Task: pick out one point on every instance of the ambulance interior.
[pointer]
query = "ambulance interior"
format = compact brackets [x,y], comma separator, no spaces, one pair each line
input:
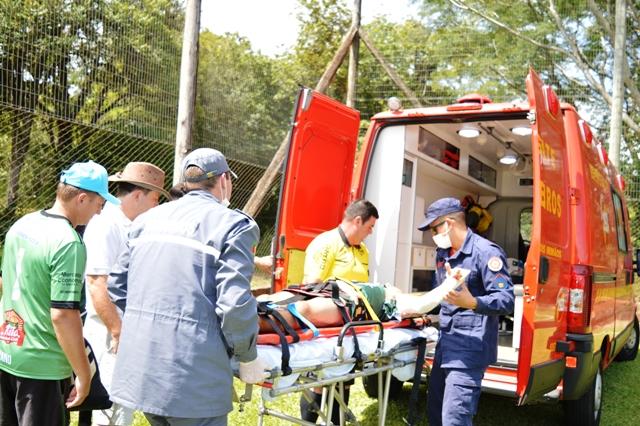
[451,159]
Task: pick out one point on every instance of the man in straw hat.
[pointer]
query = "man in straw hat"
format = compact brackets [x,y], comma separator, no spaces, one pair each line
[41,340]
[139,187]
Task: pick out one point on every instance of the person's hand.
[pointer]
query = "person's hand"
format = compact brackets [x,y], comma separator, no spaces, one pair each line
[253,372]
[79,391]
[263,263]
[113,344]
[461,297]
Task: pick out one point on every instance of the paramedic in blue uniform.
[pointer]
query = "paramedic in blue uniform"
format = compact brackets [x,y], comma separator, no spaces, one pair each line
[468,340]
[183,282]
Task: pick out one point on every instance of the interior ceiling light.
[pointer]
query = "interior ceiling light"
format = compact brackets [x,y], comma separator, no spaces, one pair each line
[521,130]
[469,132]
[510,157]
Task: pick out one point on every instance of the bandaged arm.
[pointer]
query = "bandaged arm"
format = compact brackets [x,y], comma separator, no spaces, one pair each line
[412,304]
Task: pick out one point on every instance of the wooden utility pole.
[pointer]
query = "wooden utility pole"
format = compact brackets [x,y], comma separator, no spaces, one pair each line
[188,78]
[355,33]
[619,59]
[259,193]
[354,52]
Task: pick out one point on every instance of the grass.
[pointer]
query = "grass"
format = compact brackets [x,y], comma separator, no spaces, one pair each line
[621,393]
[620,401]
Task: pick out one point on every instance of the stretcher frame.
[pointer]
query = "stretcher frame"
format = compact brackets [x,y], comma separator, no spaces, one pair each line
[379,362]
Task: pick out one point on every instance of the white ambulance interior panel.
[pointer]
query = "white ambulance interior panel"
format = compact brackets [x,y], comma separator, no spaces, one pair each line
[414,165]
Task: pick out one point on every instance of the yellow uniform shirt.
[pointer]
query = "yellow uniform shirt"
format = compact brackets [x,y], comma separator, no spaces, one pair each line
[330,255]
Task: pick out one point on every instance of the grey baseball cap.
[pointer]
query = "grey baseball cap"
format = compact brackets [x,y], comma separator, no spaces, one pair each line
[439,208]
[209,160]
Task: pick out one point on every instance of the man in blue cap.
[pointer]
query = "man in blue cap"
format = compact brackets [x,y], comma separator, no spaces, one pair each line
[41,340]
[468,340]
[183,282]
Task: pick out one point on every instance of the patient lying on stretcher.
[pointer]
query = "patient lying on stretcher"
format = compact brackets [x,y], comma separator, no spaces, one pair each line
[317,303]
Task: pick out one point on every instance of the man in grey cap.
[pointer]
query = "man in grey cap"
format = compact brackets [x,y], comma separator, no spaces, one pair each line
[468,340]
[184,284]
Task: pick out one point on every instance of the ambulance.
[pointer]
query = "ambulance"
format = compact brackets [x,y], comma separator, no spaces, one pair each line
[558,211]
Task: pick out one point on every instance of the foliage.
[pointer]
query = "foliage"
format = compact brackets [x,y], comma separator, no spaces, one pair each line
[620,395]
[77,82]
[240,102]
[323,24]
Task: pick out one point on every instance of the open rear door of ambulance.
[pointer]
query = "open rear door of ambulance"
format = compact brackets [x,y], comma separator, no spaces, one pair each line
[547,270]
[316,179]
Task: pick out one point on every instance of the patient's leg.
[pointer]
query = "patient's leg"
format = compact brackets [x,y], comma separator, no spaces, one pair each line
[321,312]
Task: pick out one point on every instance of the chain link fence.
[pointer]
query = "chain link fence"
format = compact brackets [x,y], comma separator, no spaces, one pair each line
[98,79]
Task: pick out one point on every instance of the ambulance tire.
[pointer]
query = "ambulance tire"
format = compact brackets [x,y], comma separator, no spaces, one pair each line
[587,410]
[630,349]
[370,384]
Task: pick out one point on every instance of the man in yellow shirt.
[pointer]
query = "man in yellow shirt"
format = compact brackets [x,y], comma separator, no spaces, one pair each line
[340,253]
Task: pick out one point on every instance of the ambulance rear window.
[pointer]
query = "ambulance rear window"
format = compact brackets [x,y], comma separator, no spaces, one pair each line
[620,224]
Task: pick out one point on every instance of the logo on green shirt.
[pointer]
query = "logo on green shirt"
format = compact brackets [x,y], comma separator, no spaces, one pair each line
[12,330]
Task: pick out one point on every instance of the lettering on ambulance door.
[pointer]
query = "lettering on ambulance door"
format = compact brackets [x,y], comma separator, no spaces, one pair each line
[540,368]
[316,178]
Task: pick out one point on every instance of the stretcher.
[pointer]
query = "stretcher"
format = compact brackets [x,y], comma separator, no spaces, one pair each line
[358,349]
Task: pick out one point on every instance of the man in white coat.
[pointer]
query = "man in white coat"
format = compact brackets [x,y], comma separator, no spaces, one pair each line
[139,188]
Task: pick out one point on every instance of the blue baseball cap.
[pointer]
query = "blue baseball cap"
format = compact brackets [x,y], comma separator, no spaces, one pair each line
[439,208]
[90,176]
[209,160]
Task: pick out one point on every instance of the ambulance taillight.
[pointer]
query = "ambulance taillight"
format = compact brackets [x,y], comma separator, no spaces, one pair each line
[578,318]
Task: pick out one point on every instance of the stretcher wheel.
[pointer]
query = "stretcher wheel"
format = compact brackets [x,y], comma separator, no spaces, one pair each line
[370,384]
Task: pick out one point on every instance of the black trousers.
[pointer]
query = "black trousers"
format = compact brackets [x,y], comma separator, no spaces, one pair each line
[33,402]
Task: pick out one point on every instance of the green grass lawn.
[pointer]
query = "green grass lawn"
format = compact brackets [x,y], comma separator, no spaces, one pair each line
[621,401]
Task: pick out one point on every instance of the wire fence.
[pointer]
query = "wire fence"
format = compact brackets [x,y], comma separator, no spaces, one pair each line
[98,79]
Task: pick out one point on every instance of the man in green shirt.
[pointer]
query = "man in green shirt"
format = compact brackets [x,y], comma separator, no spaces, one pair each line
[41,341]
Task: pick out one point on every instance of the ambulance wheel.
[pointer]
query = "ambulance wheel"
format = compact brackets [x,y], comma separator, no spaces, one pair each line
[587,410]
[370,384]
[630,348]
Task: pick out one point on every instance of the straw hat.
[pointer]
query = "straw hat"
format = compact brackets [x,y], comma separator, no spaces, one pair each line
[144,175]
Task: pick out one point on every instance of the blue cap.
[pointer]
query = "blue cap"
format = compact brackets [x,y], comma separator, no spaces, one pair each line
[209,160]
[90,176]
[442,207]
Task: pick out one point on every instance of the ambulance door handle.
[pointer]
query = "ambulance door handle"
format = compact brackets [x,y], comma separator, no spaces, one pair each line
[280,254]
[543,274]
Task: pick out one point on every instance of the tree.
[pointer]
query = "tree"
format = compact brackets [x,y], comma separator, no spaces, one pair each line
[71,69]
[240,106]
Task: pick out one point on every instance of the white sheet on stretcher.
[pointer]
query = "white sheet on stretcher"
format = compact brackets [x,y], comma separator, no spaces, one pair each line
[317,351]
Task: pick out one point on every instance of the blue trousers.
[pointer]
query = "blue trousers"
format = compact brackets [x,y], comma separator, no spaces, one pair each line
[453,395]
[156,420]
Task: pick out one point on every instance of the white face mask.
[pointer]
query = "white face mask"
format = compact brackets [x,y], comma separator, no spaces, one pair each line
[442,240]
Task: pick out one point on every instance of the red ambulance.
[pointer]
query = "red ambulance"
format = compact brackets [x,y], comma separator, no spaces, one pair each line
[558,208]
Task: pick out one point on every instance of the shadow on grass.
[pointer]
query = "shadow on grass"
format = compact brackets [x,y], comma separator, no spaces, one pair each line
[621,394]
